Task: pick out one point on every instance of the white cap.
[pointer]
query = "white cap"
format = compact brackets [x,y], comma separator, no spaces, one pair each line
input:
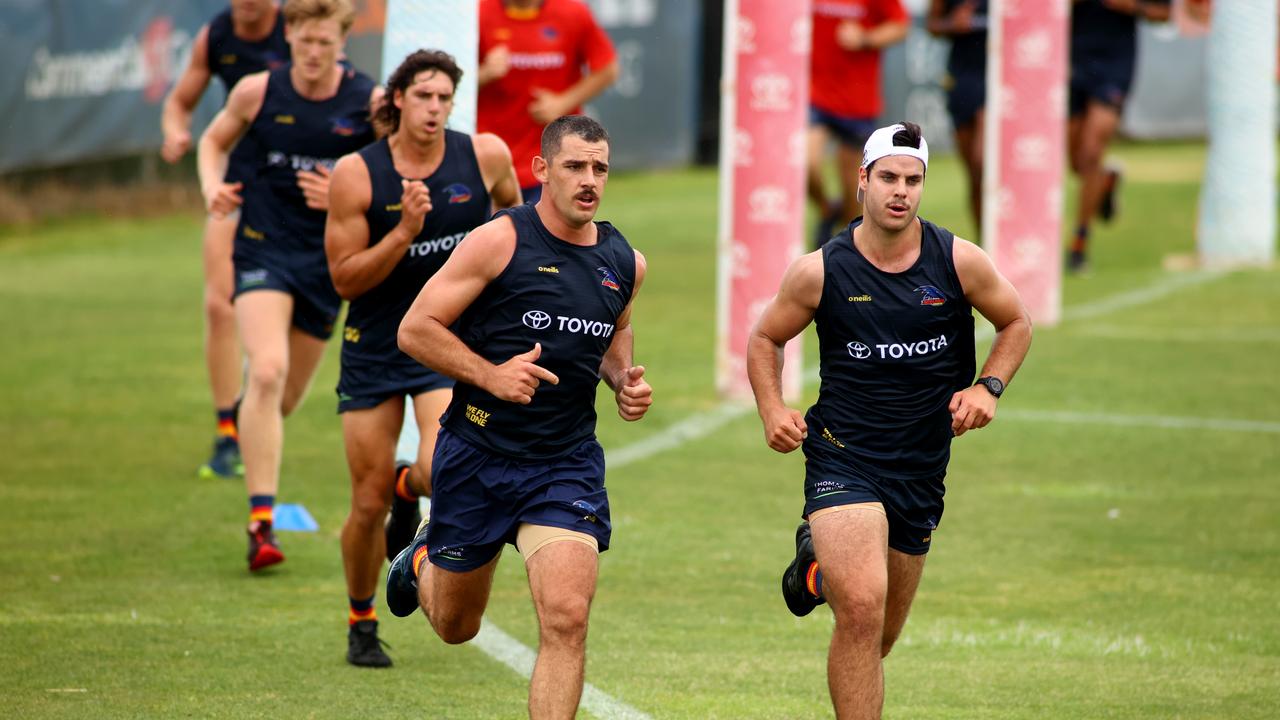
[880,144]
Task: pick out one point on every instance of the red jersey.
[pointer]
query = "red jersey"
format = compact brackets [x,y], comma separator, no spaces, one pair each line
[843,82]
[548,46]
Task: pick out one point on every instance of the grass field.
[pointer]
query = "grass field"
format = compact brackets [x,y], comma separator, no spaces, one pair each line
[1111,547]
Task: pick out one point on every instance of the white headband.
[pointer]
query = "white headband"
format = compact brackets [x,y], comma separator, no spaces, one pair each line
[880,144]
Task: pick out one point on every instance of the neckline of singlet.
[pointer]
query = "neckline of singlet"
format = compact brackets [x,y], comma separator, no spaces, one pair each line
[919,258]
[386,143]
[285,71]
[545,232]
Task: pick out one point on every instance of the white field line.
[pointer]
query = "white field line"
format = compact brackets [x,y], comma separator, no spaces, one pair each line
[1167,422]
[512,653]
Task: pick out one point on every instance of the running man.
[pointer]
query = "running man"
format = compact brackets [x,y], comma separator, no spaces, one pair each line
[964,22]
[397,210]
[844,95]
[533,53]
[1104,52]
[300,119]
[892,297]
[528,316]
[245,39]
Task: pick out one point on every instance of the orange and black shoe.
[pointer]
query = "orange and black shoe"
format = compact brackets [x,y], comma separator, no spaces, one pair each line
[795,586]
[264,551]
[364,647]
[403,520]
[1109,208]
[402,580]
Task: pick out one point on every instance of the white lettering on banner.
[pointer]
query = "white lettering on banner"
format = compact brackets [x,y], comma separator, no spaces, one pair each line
[898,351]
[742,146]
[746,36]
[796,147]
[585,327]
[802,35]
[276,158]
[129,67]
[625,13]
[771,91]
[1029,250]
[1031,152]
[440,244]
[1032,51]
[741,260]
[537,61]
[768,205]
[630,69]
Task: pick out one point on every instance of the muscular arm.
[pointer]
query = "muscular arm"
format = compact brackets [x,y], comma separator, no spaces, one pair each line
[548,105]
[886,34]
[354,265]
[175,117]
[631,391]
[786,316]
[228,126]
[992,295]
[497,170]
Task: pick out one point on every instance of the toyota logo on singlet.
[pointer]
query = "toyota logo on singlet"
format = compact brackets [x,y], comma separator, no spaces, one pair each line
[537,320]
[859,351]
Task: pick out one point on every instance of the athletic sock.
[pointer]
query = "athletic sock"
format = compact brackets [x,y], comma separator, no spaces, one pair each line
[403,491]
[361,610]
[261,507]
[227,423]
[1081,239]
[813,580]
[419,557]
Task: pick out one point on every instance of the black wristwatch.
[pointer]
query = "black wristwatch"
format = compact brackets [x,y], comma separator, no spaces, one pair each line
[994,385]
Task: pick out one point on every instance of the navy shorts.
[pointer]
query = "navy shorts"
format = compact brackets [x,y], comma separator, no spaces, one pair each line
[966,94]
[850,131]
[364,384]
[479,499]
[913,507]
[315,306]
[1101,77]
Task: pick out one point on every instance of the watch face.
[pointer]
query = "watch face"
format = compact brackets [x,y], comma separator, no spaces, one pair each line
[995,386]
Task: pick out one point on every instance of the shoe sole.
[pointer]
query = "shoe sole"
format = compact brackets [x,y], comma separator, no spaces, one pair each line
[207,472]
[378,663]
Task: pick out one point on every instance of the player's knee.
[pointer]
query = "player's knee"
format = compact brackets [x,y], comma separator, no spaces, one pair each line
[218,310]
[267,375]
[859,611]
[368,503]
[456,629]
[564,619]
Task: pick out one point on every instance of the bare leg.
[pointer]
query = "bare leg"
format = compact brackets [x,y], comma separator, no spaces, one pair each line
[562,576]
[904,577]
[816,187]
[969,142]
[852,549]
[454,602]
[264,318]
[370,439]
[1098,126]
[221,347]
[305,353]
[849,159]
[427,407]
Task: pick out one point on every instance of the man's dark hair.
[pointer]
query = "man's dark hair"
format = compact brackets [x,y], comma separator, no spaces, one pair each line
[387,116]
[577,125]
[909,136]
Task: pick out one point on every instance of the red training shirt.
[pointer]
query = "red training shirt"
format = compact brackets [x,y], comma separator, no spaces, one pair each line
[842,82]
[548,47]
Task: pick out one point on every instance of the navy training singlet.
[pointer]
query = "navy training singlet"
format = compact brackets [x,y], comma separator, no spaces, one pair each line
[567,297]
[459,204]
[968,51]
[293,133]
[893,349]
[230,58]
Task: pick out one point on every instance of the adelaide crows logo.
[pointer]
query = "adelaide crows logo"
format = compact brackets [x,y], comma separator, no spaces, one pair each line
[343,126]
[610,280]
[458,193]
[932,295]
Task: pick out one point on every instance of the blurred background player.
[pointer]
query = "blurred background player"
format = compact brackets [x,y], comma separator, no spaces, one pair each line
[964,22]
[844,95]
[397,210]
[247,38]
[529,316]
[1104,51]
[533,54]
[300,118]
